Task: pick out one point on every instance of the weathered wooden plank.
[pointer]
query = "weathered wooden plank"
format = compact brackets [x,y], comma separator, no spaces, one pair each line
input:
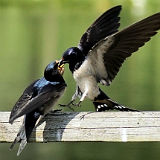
[103,126]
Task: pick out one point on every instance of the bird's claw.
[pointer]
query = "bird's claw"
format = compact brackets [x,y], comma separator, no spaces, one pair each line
[63,105]
[57,110]
[67,105]
[71,103]
[77,104]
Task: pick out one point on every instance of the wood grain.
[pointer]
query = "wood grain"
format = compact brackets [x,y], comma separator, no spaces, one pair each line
[102,126]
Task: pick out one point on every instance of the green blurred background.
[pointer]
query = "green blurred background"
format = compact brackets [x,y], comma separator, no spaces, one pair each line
[35,32]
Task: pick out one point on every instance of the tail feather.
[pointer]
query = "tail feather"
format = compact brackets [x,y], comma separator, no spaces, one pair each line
[99,107]
[21,146]
[20,135]
[25,131]
[115,106]
[103,103]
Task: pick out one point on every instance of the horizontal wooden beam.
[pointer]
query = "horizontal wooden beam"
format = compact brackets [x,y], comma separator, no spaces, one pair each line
[102,126]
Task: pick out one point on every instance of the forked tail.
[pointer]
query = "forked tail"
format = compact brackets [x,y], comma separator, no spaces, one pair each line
[25,131]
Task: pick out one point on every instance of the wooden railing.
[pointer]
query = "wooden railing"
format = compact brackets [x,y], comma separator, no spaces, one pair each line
[88,126]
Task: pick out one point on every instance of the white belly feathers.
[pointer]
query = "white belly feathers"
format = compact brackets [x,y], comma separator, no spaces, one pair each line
[84,77]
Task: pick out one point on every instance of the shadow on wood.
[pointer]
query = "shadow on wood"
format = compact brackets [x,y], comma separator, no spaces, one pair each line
[53,127]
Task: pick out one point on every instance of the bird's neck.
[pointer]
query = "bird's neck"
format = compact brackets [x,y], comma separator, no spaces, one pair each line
[56,78]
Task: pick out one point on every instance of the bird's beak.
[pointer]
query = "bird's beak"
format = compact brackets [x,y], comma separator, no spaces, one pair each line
[62,61]
[61,68]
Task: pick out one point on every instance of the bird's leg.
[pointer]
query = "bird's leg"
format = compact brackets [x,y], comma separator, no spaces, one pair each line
[84,95]
[78,104]
[74,97]
[71,102]
[68,105]
[82,98]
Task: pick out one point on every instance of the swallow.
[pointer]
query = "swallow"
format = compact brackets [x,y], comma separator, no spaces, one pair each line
[36,101]
[101,52]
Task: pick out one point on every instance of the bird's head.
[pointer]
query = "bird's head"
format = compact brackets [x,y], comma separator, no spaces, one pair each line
[53,71]
[71,55]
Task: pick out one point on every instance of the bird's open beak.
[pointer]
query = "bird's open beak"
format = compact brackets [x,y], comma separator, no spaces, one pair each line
[60,67]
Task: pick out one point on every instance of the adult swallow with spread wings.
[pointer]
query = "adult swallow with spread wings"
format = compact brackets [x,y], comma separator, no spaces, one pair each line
[36,101]
[101,52]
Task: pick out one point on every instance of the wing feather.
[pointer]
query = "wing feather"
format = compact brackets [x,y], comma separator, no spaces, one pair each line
[31,99]
[22,101]
[128,41]
[117,47]
[105,25]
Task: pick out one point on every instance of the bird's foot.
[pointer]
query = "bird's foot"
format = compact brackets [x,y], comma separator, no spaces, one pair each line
[71,104]
[77,104]
[68,105]
[56,110]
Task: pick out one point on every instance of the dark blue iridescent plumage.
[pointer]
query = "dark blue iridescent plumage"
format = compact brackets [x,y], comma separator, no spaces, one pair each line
[37,100]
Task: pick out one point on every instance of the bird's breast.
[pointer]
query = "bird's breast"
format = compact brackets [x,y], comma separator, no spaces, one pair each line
[85,79]
[52,100]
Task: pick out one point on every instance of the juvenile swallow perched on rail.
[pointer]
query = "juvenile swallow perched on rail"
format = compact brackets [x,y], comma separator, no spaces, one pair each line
[36,101]
[101,51]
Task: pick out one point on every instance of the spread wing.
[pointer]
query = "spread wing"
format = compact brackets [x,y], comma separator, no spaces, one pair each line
[111,52]
[31,99]
[104,26]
